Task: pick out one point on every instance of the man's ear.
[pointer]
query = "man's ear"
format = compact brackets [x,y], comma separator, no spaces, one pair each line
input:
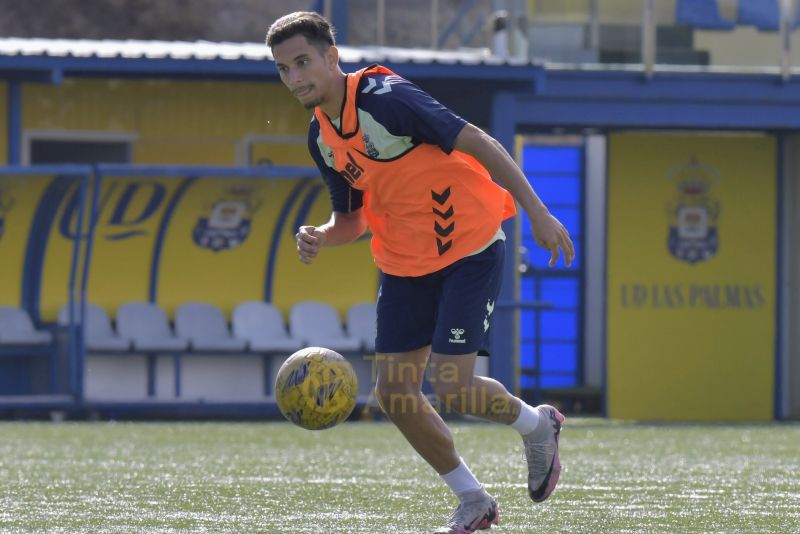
[332,56]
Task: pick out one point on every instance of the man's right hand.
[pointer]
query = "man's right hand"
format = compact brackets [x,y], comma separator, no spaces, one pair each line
[309,240]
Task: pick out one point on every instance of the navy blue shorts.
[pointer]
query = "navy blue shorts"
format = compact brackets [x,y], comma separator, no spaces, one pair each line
[449,309]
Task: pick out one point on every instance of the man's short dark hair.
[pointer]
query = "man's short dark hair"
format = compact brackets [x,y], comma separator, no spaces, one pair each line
[313,26]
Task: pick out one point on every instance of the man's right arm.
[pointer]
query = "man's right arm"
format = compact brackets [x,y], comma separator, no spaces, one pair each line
[347,222]
[342,228]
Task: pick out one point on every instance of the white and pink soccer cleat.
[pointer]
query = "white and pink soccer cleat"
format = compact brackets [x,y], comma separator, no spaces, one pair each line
[541,452]
[477,511]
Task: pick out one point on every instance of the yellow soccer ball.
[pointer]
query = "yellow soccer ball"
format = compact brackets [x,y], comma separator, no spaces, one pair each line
[316,388]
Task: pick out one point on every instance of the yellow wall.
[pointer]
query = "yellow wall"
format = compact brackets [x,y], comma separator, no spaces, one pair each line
[691,340]
[279,153]
[177,122]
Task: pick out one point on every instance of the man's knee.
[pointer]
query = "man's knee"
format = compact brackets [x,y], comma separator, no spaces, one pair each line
[453,395]
[384,389]
[396,397]
[449,379]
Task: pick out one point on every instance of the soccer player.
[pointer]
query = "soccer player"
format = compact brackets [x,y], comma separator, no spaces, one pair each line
[420,177]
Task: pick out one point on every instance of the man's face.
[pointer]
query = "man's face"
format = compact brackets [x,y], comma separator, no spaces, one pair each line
[305,70]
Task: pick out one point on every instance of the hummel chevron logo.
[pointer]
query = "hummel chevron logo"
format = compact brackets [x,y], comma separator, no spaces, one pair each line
[489,310]
[444,232]
[372,84]
[444,214]
[442,197]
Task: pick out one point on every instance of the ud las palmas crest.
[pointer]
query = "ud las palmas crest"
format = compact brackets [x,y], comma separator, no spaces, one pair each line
[693,212]
[227,220]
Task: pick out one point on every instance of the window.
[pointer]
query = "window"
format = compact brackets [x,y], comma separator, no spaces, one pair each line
[64,146]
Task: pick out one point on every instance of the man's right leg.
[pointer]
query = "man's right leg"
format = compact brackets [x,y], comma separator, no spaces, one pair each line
[398,389]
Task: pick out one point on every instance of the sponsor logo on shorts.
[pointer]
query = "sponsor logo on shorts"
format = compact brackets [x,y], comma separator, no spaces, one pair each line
[457,333]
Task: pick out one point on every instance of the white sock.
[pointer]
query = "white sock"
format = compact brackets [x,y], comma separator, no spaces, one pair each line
[527,420]
[461,480]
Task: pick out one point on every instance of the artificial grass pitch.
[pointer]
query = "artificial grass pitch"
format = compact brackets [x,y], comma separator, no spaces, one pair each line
[364,478]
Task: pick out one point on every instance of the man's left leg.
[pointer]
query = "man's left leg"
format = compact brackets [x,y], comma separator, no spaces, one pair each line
[453,379]
[469,294]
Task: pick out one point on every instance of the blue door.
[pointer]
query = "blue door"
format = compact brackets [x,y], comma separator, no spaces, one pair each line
[551,344]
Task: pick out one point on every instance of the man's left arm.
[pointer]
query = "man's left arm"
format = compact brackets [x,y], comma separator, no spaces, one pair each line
[550,234]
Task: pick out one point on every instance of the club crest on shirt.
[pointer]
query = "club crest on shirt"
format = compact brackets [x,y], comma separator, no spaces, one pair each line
[370,146]
[226,221]
[6,203]
[693,212]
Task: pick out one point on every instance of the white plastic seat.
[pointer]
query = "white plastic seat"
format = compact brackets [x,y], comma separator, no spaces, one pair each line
[16,328]
[318,325]
[146,324]
[100,336]
[262,326]
[205,327]
[362,324]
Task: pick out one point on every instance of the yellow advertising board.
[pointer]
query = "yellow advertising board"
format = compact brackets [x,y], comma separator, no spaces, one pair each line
[216,244]
[232,240]
[691,276]
[130,211]
[222,240]
[19,199]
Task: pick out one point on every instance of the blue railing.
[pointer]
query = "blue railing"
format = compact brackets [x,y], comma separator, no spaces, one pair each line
[29,294]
